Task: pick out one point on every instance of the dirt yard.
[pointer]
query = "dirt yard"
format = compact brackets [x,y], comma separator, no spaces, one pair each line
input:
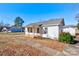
[16,45]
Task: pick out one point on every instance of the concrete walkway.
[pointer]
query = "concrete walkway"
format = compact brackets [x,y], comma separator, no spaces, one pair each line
[71,50]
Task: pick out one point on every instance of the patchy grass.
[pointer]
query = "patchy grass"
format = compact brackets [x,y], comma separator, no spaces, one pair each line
[50,43]
[20,50]
[11,45]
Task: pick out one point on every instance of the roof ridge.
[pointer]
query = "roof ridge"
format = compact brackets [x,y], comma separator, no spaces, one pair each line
[51,21]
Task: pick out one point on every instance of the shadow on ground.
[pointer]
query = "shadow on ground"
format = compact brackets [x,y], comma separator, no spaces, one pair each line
[74,42]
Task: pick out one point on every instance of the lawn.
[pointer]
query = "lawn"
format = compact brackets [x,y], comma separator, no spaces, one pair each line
[11,45]
[54,44]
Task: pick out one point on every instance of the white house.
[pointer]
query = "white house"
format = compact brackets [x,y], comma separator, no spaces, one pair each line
[70,29]
[48,29]
[4,29]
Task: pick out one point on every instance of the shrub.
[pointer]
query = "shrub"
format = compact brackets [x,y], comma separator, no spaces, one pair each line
[65,37]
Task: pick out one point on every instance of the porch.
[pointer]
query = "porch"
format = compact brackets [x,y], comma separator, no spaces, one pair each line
[33,31]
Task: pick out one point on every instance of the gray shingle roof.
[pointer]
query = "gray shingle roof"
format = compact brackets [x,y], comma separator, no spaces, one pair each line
[48,22]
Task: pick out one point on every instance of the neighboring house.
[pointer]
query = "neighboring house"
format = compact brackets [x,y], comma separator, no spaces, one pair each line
[70,29]
[14,29]
[77,31]
[48,29]
[6,29]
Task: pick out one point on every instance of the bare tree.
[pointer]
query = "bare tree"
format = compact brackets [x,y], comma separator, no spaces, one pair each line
[77,18]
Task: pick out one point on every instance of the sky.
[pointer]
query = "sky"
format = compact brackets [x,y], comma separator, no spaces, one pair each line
[36,12]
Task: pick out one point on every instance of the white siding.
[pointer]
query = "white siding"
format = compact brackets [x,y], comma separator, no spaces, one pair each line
[53,32]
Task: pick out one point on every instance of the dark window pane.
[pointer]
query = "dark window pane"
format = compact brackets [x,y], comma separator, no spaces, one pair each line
[30,30]
[37,30]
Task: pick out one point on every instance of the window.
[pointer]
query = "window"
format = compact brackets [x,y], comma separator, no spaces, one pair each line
[45,30]
[30,30]
[37,30]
